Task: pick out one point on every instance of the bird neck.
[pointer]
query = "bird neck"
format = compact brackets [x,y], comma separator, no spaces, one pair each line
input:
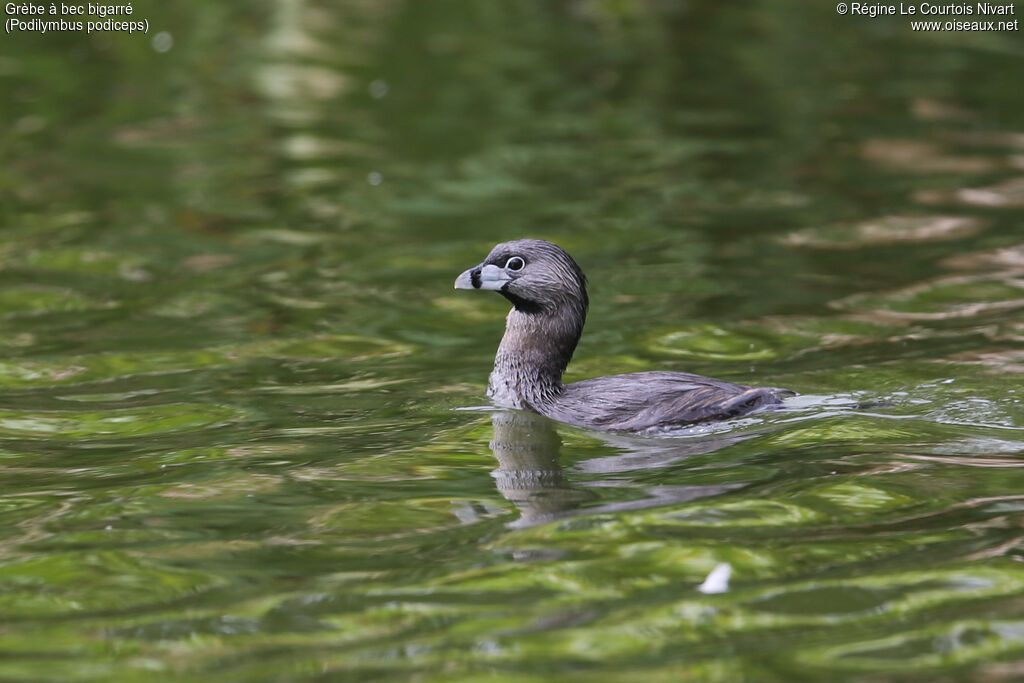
[533,354]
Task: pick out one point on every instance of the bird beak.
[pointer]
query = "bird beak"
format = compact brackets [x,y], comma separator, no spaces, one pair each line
[482,277]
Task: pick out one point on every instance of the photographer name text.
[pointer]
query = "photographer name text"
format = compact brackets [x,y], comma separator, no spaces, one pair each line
[974,16]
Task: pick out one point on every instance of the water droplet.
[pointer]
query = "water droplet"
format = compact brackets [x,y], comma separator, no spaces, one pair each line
[163,41]
[378,88]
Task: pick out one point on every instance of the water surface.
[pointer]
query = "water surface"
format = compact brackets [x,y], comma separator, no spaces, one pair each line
[243,431]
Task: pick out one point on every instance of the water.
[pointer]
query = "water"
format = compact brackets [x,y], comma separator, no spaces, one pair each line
[241,408]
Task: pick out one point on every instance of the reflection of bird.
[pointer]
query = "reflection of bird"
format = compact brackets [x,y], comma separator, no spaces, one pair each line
[529,474]
[549,297]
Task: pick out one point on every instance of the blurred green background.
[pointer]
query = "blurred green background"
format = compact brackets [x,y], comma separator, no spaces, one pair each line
[233,367]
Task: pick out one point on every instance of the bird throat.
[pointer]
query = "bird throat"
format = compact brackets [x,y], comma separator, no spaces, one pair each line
[533,354]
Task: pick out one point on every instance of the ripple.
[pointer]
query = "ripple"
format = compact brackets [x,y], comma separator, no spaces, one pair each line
[355,385]
[85,261]
[382,519]
[859,497]
[717,343]
[942,299]
[61,584]
[963,642]
[904,593]
[747,513]
[1008,194]
[106,366]
[114,424]
[996,362]
[887,230]
[32,300]
[919,156]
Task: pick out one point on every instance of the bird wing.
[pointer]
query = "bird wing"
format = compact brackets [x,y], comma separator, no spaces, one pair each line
[645,400]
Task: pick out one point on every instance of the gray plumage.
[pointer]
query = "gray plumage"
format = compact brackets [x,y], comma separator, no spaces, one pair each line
[549,297]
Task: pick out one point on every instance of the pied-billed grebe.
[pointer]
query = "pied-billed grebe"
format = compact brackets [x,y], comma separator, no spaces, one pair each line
[548,292]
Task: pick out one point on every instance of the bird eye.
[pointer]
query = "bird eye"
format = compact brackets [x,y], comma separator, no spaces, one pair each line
[515,263]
